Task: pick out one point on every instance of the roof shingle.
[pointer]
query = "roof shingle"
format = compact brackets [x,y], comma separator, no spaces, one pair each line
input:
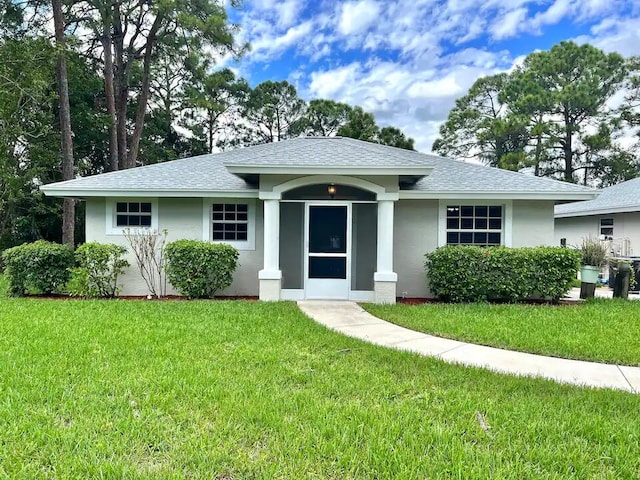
[624,196]
[208,173]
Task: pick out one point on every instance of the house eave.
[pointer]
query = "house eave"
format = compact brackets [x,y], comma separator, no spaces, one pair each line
[599,211]
[243,170]
[485,195]
[160,193]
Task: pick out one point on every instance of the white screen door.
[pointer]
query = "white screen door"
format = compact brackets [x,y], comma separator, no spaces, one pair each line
[328,249]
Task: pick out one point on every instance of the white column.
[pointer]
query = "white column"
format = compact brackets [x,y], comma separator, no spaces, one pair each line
[385,236]
[385,278]
[270,276]
[271,235]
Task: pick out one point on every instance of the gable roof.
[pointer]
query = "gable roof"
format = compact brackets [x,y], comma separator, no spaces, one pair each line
[623,197]
[226,173]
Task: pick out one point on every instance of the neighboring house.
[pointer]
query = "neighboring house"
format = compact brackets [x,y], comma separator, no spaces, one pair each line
[613,216]
[332,218]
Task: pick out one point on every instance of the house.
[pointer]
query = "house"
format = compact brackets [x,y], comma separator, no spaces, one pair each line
[315,217]
[613,216]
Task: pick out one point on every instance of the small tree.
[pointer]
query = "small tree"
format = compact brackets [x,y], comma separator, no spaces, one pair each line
[148,248]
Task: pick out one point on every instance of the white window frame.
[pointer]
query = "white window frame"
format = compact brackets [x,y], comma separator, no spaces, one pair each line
[612,227]
[207,222]
[506,237]
[112,229]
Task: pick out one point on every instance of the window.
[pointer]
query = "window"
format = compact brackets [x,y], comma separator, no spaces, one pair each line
[133,214]
[230,222]
[480,225]
[606,228]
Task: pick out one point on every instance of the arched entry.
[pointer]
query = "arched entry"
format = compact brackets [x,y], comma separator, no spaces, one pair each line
[333,243]
[328,241]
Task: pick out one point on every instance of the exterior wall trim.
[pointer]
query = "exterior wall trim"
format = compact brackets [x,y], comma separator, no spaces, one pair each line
[479,195]
[250,243]
[111,229]
[324,170]
[278,190]
[601,211]
[143,193]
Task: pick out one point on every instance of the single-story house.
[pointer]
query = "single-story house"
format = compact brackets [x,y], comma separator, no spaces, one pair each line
[613,216]
[323,218]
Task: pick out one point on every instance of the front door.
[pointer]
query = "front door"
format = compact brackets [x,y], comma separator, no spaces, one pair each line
[328,246]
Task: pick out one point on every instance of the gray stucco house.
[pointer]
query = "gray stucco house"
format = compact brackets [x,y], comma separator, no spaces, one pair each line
[332,218]
[614,216]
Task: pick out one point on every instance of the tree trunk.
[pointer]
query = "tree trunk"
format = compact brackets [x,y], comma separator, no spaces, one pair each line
[121,86]
[68,208]
[568,148]
[107,46]
[210,127]
[141,109]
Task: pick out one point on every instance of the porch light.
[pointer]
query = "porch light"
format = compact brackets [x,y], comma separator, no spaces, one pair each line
[331,190]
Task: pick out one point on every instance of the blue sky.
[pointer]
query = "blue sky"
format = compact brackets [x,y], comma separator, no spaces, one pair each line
[406,61]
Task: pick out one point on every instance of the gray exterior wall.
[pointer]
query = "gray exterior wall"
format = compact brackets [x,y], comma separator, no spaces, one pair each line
[532,223]
[625,226]
[415,233]
[182,218]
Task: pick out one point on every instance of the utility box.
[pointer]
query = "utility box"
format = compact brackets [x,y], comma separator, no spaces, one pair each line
[621,280]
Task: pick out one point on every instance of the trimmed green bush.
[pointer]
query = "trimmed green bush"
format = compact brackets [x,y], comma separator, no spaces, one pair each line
[476,274]
[198,269]
[38,267]
[99,265]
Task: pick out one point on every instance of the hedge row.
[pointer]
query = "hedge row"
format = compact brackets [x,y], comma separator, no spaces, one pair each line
[196,269]
[476,274]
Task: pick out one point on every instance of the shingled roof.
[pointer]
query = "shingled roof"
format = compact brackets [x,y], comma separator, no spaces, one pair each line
[623,197]
[212,174]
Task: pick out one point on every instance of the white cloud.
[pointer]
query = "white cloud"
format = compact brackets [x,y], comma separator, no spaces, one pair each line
[329,84]
[357,17]
[615,35]
[267,46]
[509,24]
[408,60]
[287,12]
[408,96]
[553,14]
[442,87]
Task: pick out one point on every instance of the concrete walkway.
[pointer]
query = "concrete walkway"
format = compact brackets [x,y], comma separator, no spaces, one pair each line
[350,319]
[604,292]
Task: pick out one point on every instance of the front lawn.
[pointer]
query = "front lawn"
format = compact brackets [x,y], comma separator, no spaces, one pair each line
[602,330]
[240,390]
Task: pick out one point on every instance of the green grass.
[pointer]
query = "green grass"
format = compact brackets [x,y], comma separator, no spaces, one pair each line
[242,390]
[601,330]
[4,286]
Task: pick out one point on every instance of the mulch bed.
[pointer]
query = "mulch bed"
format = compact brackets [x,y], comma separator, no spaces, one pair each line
[422,301]
[61,296]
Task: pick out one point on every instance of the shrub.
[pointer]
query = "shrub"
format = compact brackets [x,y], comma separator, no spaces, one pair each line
[38,267]
[475,274]
[99,265]
[199,269]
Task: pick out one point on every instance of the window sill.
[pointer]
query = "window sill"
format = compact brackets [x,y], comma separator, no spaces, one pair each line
[120,231]
[241,246]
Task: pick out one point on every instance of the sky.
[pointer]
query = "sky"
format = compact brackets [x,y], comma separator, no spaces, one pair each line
[406,61]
